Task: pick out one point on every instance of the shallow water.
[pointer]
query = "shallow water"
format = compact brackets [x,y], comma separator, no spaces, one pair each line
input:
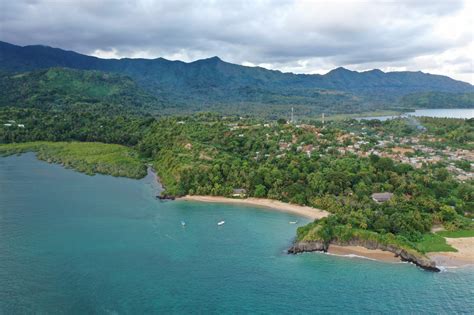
[464,113]
[72,243]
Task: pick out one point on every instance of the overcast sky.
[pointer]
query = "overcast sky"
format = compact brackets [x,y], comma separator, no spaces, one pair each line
[297,36]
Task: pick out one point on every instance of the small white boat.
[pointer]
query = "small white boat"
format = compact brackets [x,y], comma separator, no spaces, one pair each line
[183,223]
[220,223]
[293,222]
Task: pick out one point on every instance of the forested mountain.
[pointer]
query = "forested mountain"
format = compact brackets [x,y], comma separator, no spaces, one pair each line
[57,88]
[212,84]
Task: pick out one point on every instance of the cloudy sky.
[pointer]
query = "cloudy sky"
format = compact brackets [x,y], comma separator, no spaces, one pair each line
[289,35]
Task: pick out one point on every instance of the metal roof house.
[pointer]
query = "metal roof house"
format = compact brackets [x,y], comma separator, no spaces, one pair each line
[382,197]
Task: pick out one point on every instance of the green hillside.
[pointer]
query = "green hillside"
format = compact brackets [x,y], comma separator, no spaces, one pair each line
[215,85]
[61,87]
[438,100]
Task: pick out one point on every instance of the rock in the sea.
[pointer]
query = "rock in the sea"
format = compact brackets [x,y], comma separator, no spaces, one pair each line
[301,247]
[419,260]
[165,197]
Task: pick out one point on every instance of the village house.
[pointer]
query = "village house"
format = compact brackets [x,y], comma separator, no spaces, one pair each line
[284,146]
[382,197]
[308,149]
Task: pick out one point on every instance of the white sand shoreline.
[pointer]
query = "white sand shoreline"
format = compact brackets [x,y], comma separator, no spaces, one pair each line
[462,258]
[305,211]
[362,252]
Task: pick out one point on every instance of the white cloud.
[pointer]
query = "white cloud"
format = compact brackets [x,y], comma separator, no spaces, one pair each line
[298,36]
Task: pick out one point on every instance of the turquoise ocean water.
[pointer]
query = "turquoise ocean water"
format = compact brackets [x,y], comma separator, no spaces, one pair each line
[76,244]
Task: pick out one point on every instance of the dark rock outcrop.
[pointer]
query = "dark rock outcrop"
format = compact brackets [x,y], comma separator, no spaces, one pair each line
[166,197]
[410,256]
[419,260]
[301,247]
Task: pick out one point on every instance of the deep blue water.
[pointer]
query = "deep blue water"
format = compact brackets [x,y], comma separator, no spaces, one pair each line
[72,243]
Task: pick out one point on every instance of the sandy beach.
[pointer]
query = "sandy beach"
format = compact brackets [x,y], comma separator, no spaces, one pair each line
[376,254]
[308,212]
[463,257]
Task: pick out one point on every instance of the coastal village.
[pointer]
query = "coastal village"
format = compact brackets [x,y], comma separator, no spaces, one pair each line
[416,150]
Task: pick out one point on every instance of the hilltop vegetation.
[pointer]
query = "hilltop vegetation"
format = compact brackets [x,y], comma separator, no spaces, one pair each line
[59,88]
[438,100]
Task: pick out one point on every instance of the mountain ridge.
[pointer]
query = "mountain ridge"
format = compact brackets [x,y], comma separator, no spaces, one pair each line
[217,59]
[211,83]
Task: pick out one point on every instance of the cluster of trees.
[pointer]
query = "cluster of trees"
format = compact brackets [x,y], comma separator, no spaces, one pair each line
[86,157]
[454,132]
[92,123]
[61,88]
[438,100]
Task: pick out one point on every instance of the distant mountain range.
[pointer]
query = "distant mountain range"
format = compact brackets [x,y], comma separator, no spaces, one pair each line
[215,85]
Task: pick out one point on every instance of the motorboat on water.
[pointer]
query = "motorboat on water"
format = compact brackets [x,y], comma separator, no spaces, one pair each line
[221,222]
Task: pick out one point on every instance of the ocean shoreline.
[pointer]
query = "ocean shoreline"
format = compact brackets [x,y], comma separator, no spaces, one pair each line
[464,257]
[363,252]
[305,211]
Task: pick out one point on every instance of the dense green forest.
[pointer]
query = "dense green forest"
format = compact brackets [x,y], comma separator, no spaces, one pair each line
[58,88]
[438,100]
[208,154]
[86,157]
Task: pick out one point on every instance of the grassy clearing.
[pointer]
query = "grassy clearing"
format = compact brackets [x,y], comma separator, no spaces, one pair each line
[456,234]
[434,243]
[86,157]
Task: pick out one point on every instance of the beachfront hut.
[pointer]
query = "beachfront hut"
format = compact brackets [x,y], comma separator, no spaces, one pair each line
[239,192]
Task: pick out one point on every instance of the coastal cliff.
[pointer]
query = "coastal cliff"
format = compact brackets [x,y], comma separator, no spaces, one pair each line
[404,255]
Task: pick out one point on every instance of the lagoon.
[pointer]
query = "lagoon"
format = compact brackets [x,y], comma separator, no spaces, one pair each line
[464,113]
[72,243]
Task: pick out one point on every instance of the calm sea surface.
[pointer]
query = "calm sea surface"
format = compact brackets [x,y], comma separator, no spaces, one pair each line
[76,244]
[464,113]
